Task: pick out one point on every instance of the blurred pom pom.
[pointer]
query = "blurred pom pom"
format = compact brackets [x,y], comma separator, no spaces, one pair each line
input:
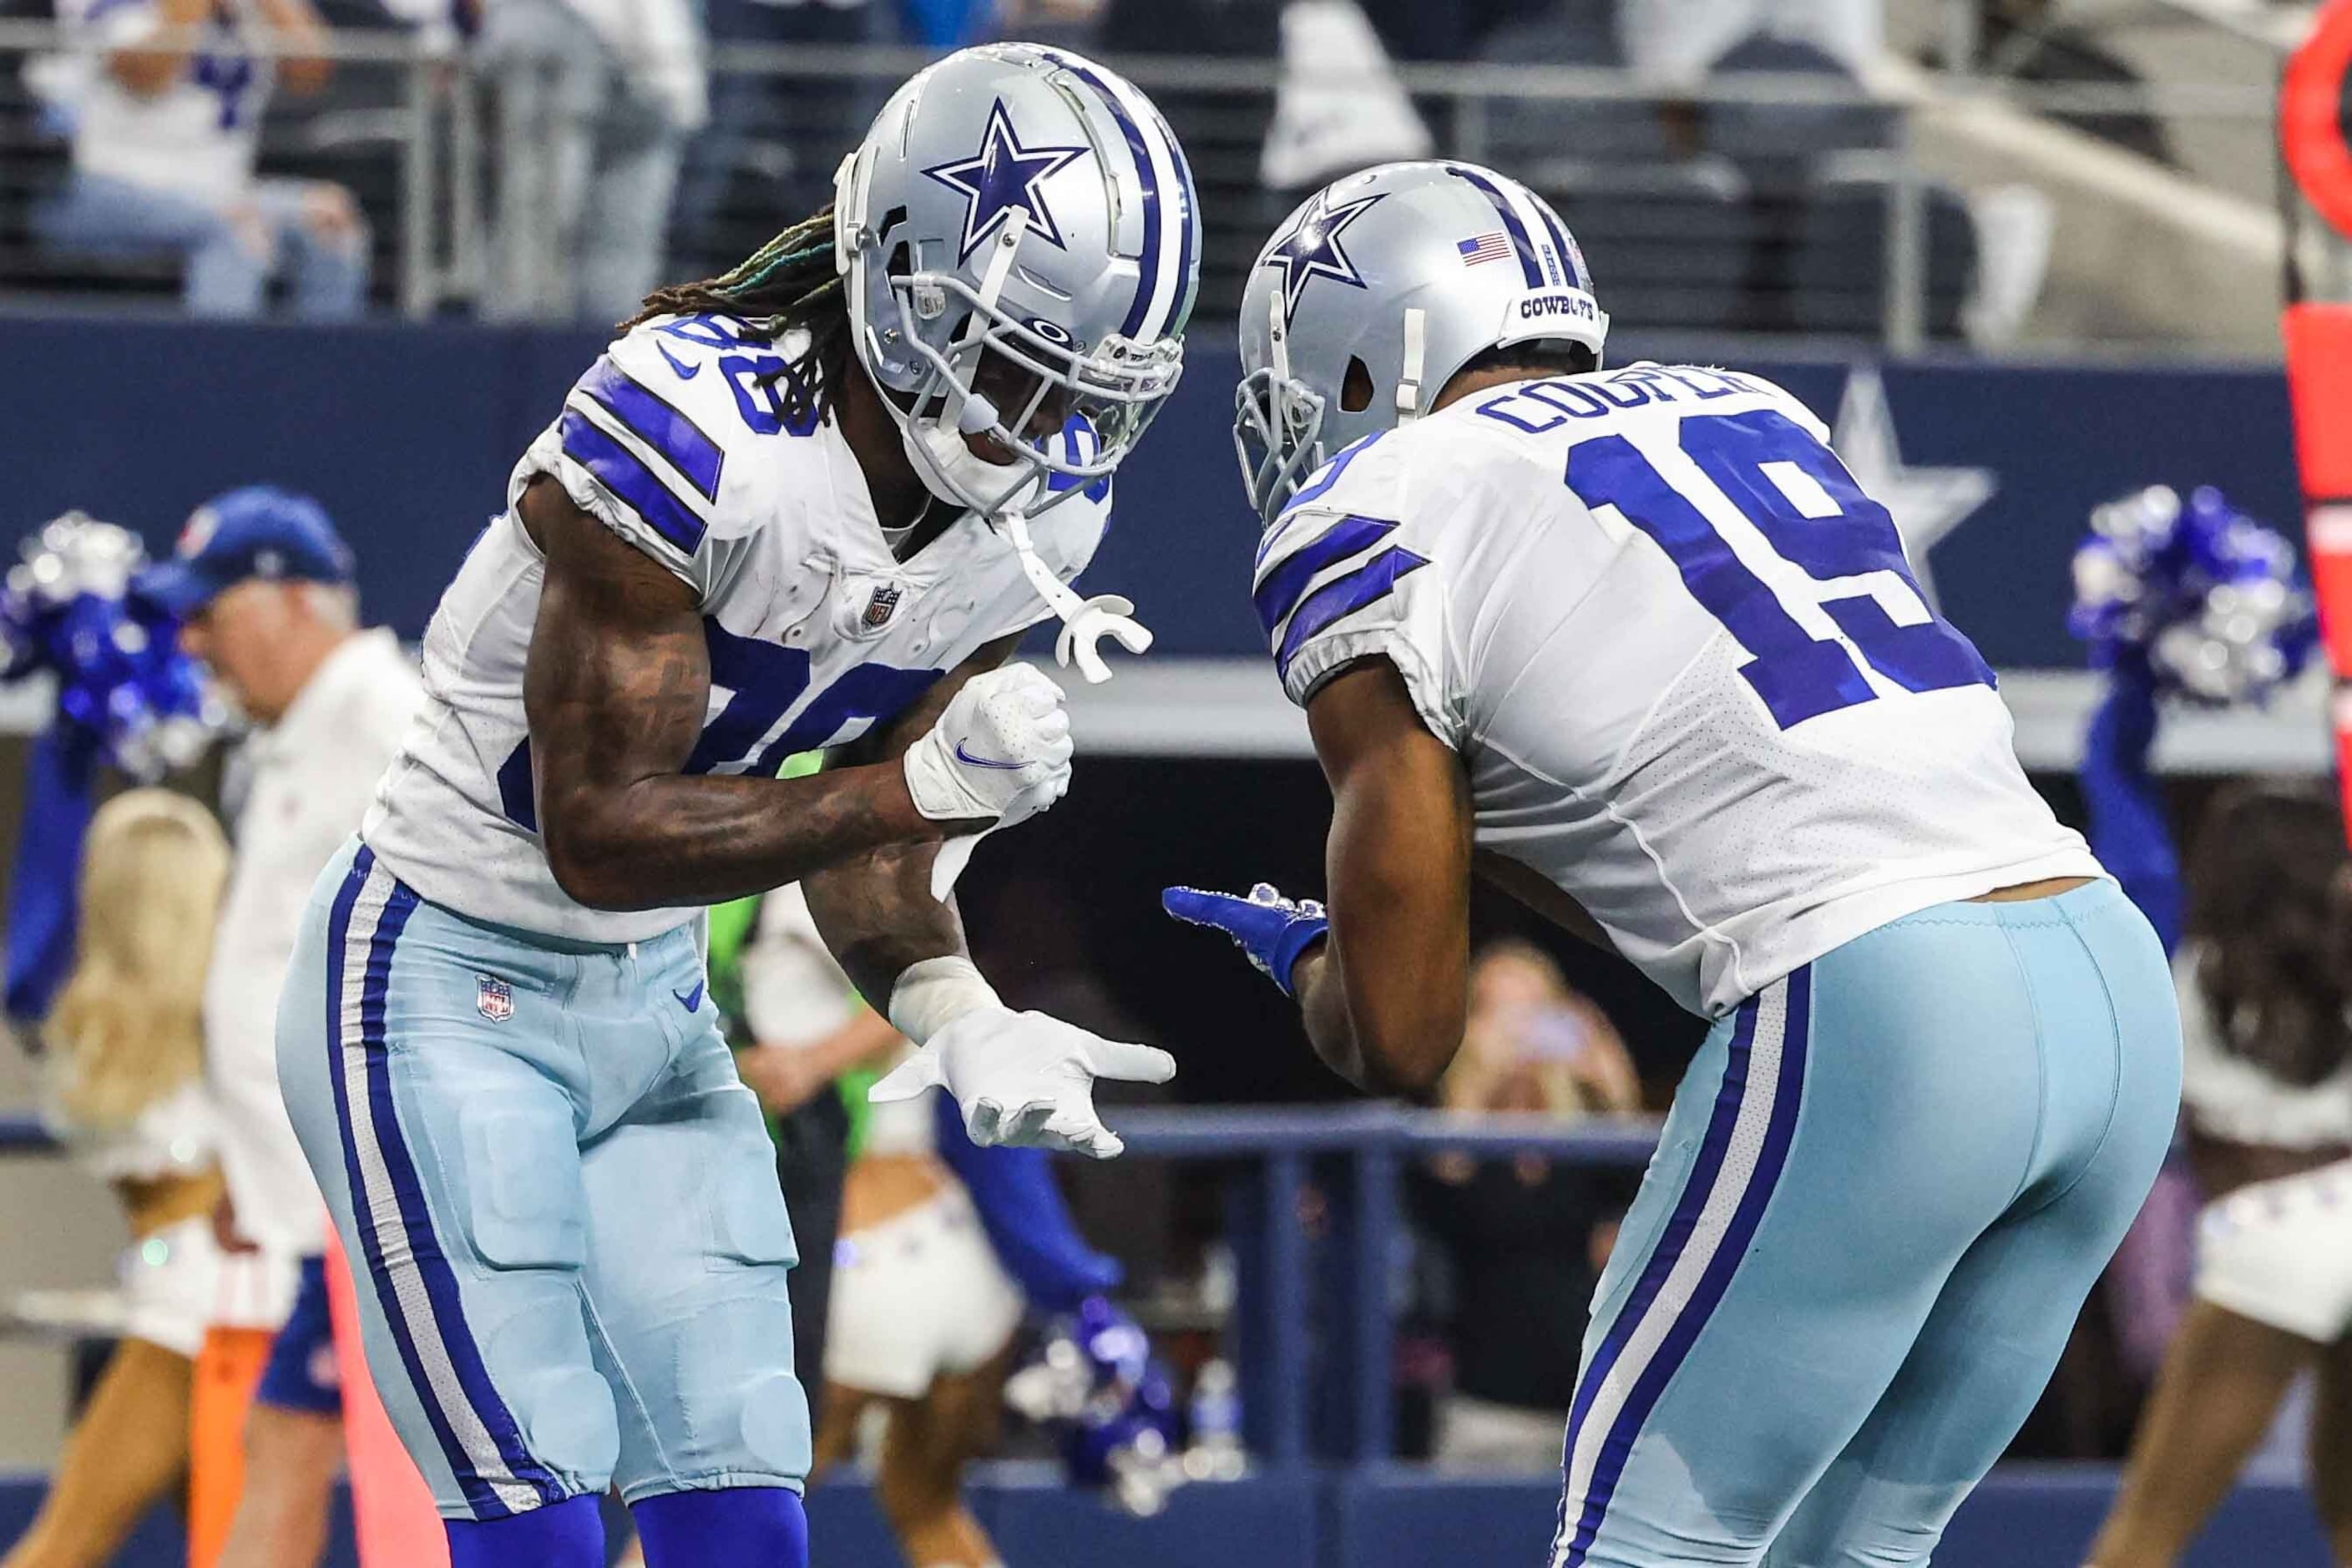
[2208,597]
[122,682]
[1093,1380]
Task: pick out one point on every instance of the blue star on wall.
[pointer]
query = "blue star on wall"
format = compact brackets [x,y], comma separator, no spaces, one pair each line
[1311,248]
[1002,178]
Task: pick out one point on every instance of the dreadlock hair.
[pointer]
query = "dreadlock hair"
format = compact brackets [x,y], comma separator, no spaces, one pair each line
[787,285]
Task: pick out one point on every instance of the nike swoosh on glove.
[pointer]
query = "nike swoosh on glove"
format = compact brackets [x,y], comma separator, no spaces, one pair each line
[1270,930]
[1025,1079]
[1000,750]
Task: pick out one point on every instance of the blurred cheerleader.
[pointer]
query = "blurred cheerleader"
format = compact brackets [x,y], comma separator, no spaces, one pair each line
[2258,930]
[125,1092]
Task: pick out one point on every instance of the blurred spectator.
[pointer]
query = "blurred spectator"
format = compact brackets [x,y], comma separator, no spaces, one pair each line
[1340,106]
[1416,30]
[2260,948]
[595,101]
[2040,41]
[1676,42]
[264,586]
[165,123]
[1526,1240]
[768,155]
[125,1092]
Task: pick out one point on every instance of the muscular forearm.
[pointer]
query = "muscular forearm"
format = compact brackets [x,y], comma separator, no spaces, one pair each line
[1323,1009]
[674,839]
[878,917]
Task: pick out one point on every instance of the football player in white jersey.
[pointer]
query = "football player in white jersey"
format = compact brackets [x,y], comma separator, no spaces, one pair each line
[809,504]
[1634,645]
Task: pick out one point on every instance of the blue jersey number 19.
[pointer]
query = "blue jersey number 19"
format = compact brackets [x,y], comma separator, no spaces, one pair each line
[1765,472]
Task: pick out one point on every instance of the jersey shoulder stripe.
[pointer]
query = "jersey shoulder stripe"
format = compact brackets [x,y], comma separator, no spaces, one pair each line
[663,427]
[632,480]
[1285,586]
[1344,596]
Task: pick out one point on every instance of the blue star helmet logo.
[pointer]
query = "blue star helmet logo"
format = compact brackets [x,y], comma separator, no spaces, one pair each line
[1001,179]
[1311,249]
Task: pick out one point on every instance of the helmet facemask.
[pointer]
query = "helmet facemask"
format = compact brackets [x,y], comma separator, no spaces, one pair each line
[1106,397]
[1277,425]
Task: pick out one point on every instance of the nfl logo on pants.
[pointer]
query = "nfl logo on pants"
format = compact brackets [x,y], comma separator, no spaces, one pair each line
[494,999]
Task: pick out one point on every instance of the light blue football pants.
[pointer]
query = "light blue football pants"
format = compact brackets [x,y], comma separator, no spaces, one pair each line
[1888,1181]
[560,1204]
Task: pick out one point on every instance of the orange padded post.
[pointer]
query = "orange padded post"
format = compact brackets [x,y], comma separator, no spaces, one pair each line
[392,1511]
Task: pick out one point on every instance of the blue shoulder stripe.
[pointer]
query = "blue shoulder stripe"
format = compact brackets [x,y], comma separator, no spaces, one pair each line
[1286,584]
[1315,489]
[1345,595]
[1531,266]
[659,424]
[624,473]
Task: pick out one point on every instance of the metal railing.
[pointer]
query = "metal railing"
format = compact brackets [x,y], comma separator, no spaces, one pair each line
[1766,202]
[1356,1156]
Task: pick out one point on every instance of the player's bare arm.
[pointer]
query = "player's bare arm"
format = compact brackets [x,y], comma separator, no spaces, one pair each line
[1383,1000]
[617,688]
[1381,978]
[875,909]
[1020,1077]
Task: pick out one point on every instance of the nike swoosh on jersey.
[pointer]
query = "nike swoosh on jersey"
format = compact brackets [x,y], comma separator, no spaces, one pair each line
[964,756]
[685,371]
[690,1000]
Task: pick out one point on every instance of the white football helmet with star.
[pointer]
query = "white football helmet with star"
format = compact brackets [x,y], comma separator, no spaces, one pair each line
[1023,202]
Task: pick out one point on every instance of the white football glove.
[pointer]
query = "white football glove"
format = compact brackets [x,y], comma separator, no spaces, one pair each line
[1000,751]
[1025,1079]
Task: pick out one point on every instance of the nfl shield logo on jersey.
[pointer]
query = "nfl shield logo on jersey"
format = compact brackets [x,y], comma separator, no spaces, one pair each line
[882,606]
[494,999]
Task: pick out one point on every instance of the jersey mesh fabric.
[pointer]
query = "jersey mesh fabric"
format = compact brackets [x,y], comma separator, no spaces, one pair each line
[1616,741]
[816,632]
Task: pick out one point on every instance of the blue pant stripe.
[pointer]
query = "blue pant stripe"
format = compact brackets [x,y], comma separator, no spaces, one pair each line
[372,1254]
[515,1480]
[1671,1241]
[1667,1357]
[423,1245]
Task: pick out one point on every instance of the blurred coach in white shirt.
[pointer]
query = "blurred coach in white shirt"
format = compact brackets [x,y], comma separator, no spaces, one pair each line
[264,587]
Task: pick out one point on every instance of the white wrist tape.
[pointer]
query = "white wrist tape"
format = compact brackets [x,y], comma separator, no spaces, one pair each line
[933,993]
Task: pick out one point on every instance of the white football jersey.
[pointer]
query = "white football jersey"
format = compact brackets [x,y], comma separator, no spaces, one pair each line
[1683,657]
[675,441]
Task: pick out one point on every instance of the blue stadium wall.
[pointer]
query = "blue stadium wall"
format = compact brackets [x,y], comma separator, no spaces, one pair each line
[1384,1517]
[408,433]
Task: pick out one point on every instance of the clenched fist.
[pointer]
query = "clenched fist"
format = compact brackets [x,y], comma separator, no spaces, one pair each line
[1000,752]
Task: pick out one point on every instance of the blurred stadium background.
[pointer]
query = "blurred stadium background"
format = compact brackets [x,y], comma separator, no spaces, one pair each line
[2026,256]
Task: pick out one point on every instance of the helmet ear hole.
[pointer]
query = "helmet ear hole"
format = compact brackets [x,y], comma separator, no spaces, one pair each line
[1356,391]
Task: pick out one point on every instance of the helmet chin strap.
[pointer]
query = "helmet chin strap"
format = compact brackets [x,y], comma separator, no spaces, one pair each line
[1408,391]
[1085,621]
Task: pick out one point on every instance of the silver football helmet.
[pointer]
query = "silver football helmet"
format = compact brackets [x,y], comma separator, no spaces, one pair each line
[1025,204]
[1407,270]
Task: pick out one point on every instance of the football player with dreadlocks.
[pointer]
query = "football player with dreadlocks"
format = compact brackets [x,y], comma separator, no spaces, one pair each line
[811,504]
[1634,644]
